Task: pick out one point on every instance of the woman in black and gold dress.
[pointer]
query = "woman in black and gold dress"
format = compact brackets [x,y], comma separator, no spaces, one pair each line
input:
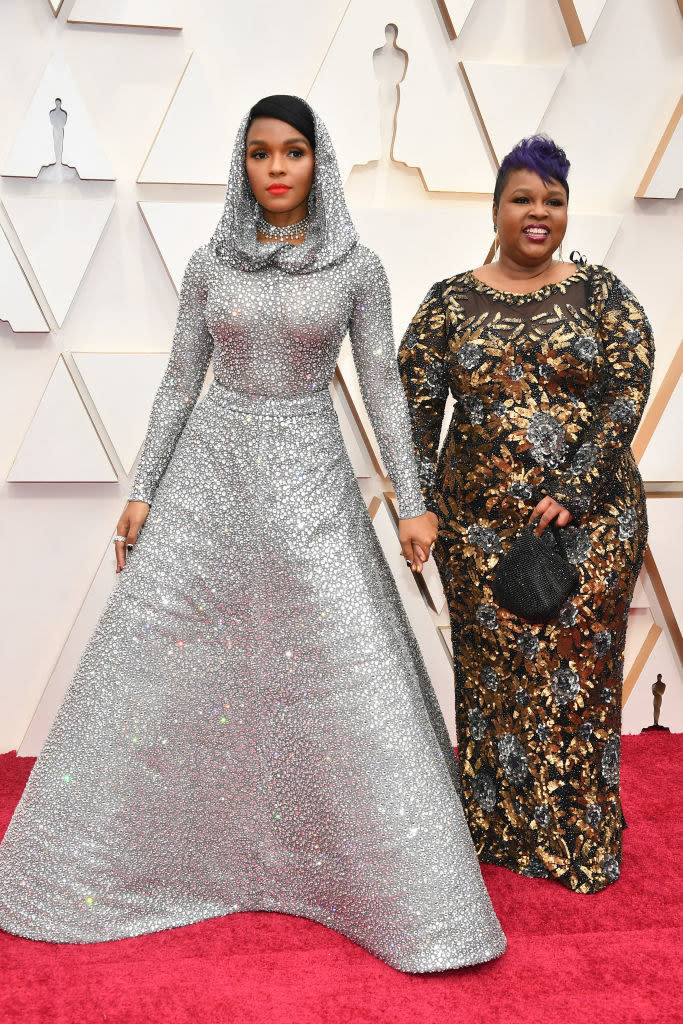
[550,366]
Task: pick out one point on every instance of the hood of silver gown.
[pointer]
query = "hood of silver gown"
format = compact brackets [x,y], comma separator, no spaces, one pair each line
[331,234]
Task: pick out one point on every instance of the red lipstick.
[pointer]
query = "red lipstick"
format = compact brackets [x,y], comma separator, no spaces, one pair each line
[279,189]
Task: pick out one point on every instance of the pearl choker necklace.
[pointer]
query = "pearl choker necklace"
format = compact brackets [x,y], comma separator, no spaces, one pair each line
[274,233]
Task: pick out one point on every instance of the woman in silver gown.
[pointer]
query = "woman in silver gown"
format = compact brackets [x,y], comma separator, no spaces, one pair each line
[251,725]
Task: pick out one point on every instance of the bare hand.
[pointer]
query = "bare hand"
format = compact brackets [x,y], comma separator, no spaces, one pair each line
[417,535]
[549,509]
[129,526]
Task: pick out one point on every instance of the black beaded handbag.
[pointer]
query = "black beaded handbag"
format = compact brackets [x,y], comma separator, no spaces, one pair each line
[533,580]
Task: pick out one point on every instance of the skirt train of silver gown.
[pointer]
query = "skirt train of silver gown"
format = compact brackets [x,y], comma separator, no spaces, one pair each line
[251,726]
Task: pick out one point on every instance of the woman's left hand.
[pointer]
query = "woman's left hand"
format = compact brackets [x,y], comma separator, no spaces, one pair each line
[417,536]
[549,509]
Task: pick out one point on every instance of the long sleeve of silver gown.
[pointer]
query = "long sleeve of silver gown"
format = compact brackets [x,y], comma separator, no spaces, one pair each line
[374,354]
[182,381]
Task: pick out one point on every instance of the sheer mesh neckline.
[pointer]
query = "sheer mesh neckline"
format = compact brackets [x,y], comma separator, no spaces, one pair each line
[519,298]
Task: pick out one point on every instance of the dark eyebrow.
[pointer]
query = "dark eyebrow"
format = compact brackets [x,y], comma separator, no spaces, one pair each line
[551,191]
[287,142]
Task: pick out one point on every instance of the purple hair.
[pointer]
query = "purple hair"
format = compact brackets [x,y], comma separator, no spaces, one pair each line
[538,154]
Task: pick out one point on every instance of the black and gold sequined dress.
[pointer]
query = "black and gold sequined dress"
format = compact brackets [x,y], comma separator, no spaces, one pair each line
[549,388]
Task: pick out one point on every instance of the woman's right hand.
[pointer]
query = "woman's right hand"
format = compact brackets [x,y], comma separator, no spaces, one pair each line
[129,526]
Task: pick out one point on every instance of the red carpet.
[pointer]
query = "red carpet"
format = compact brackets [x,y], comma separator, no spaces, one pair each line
[614,957]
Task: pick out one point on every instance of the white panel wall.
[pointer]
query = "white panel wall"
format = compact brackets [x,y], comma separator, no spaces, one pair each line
[613,102]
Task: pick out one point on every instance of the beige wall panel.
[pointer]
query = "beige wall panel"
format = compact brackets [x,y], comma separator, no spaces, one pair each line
[510,99]
[640,597]
[188,148]
[607,112]
[658,406]
[638,710]
[61,443]
[645,254]
[127,302]
[454,13]
[143,13]
[34,146]
[591,234]
[60,675]
[581,17]
[424,245]
[18,304]
[109,375]
[178,229]
[506,32]
[69,528]
[665,517]
[663,458]
[25,370]
[59,237]
[664,176]
[433,103]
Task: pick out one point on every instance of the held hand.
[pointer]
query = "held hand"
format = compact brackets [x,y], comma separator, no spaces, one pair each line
[129,526]
[549,509]
[417,535]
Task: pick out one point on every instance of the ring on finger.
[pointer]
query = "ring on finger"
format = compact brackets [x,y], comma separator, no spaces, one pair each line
[118,539]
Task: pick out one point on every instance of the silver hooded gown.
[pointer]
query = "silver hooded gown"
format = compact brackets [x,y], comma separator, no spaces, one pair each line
[251,725]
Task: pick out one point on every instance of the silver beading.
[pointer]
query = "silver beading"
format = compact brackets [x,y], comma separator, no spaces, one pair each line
[277,233]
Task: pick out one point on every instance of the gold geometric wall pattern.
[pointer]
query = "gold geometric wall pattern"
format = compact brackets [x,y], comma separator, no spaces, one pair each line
[454,14]
[56,6]
[580,17]
[664,175]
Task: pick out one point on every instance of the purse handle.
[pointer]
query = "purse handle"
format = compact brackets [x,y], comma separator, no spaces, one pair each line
[557,534]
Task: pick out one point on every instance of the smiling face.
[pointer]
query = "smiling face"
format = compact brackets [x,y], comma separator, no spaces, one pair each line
[531,218]
[279,164]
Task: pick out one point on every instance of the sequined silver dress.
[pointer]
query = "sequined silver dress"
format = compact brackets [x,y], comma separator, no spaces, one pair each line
[251,725]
